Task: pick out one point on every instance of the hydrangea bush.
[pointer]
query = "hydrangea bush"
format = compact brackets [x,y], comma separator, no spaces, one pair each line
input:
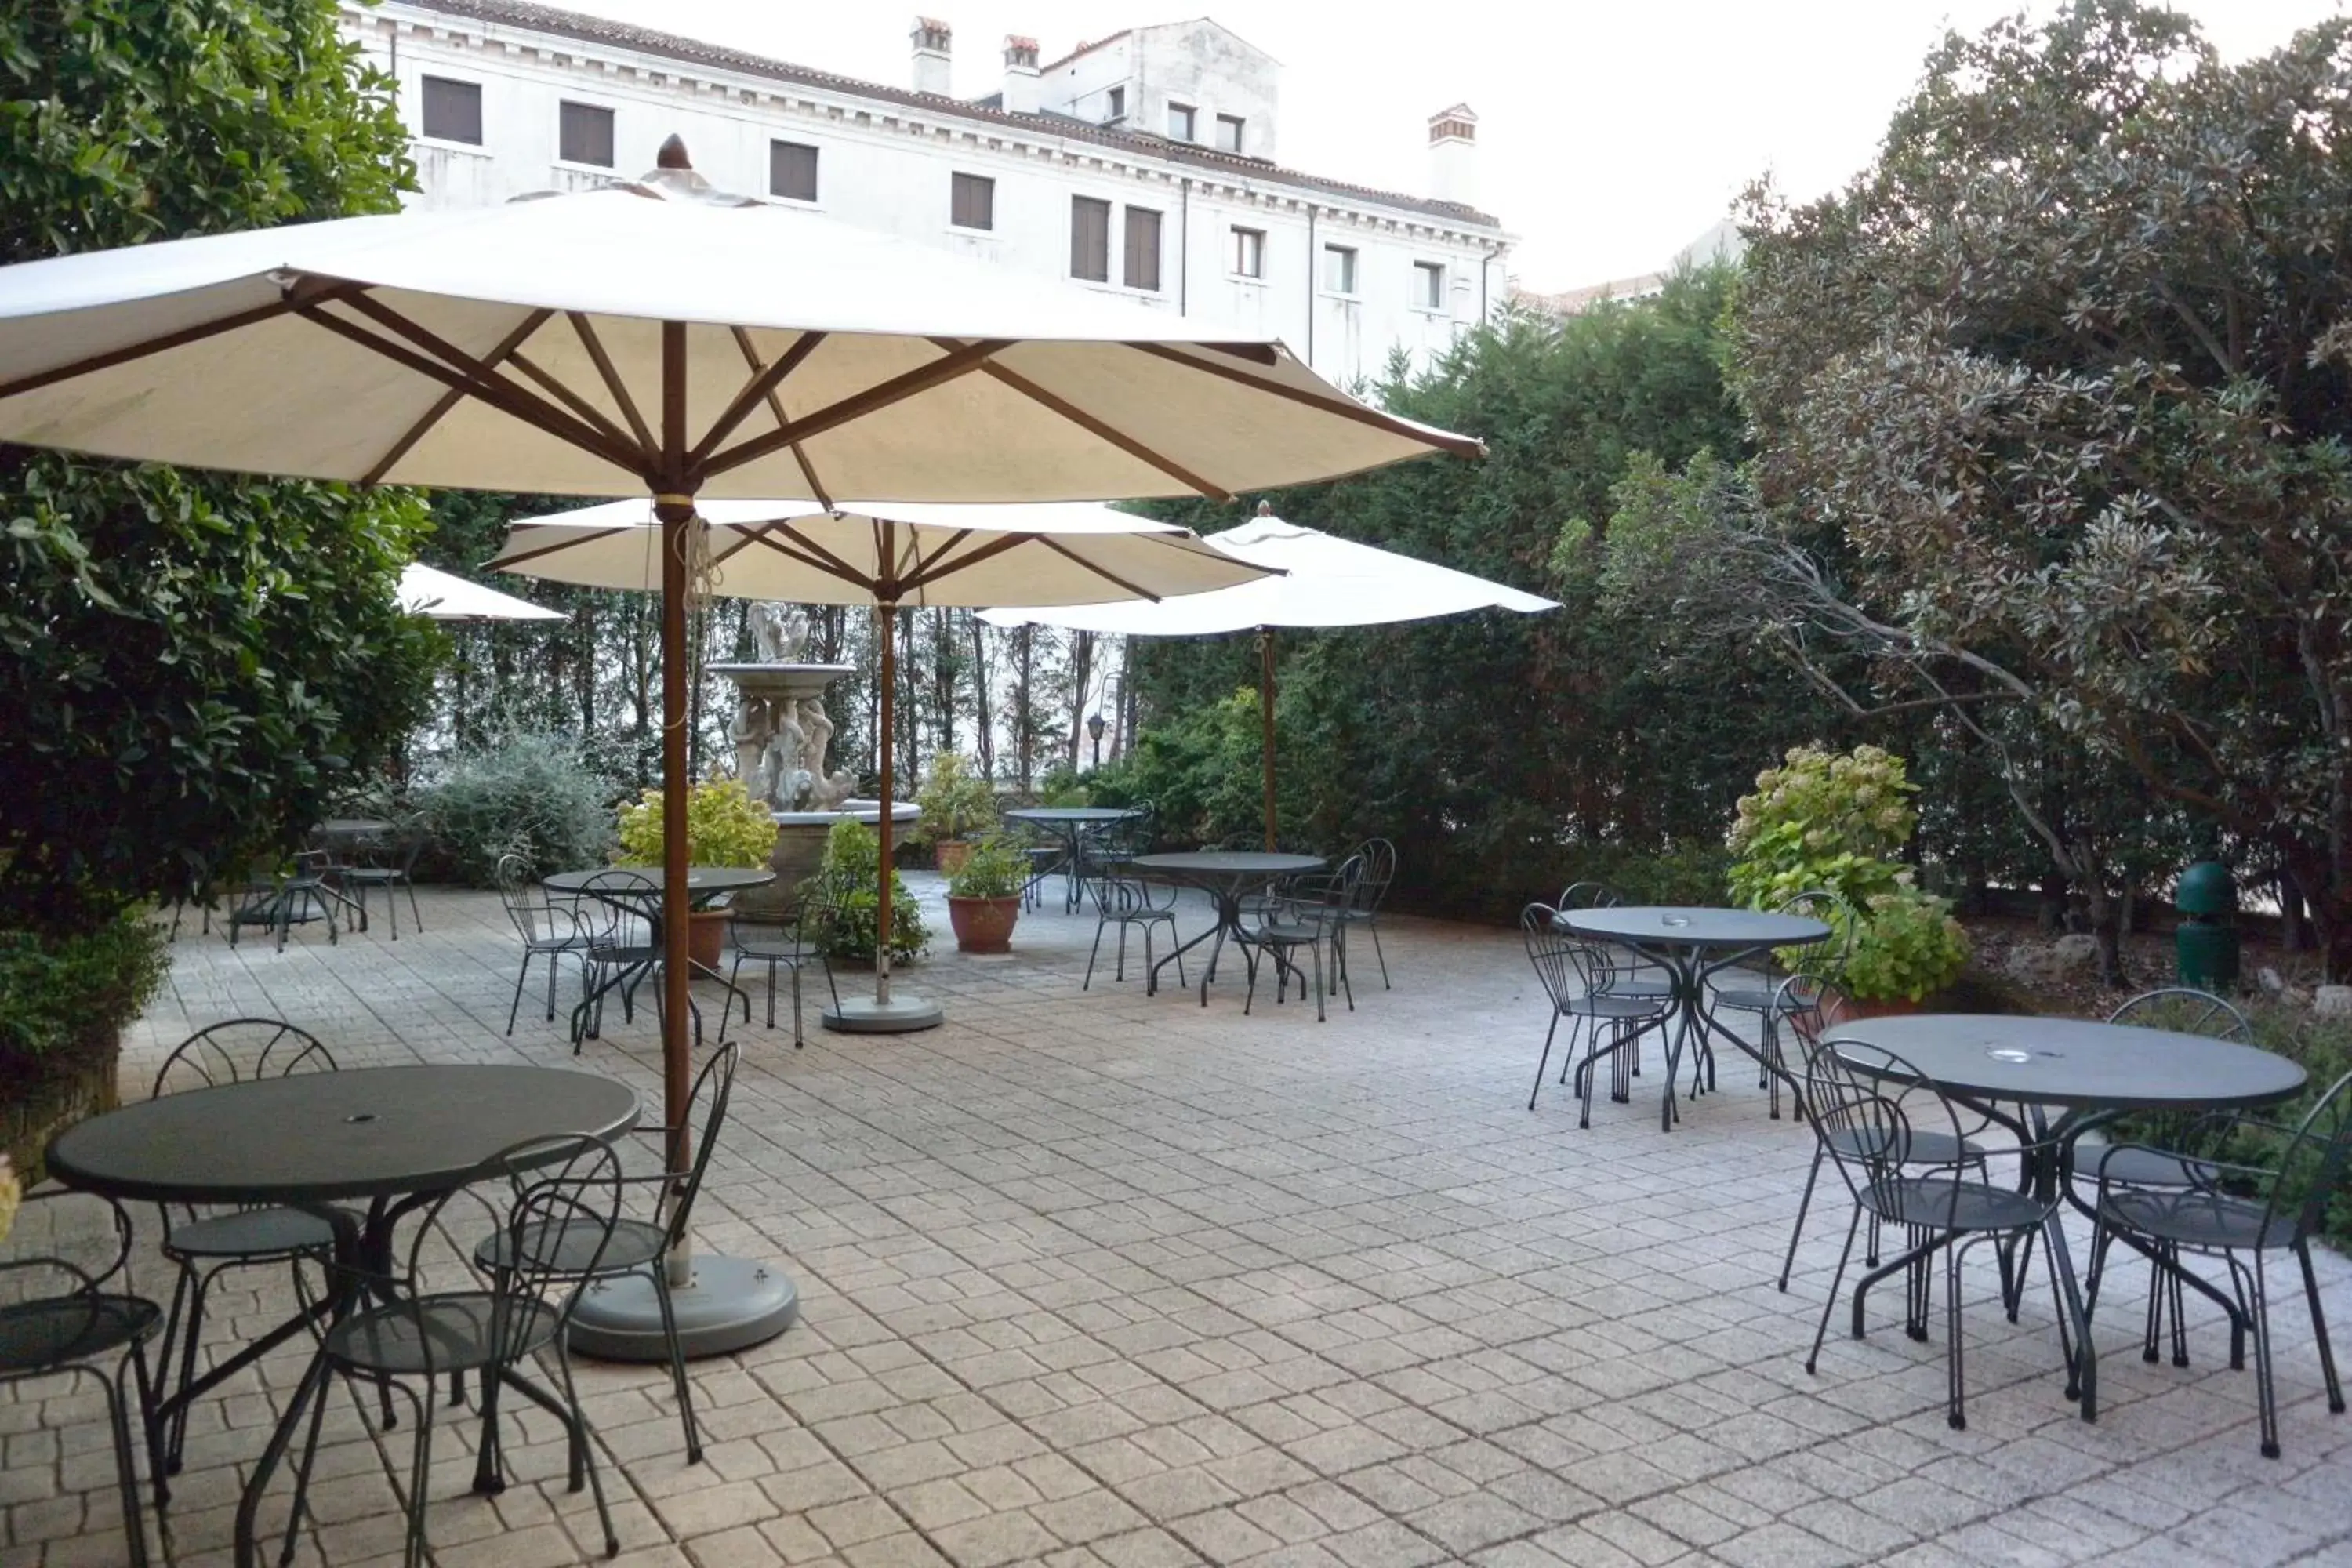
[1823,819]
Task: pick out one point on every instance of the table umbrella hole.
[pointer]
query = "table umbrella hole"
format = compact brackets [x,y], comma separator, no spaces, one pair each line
[355,1119]
[2009,1054]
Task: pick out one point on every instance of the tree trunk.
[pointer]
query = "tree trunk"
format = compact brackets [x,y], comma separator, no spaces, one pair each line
[2295,935]
[983,731]
[1025,662]
[1082,660]
[2052,916]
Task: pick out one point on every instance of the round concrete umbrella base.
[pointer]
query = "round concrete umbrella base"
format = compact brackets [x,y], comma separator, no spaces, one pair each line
[899,1016]
[732,1303]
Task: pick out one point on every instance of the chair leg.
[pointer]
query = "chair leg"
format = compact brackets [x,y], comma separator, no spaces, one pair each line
[1545,1061]
[420,1475]
[796,1004]
[586,1449]
[1812,1174]
[126,1469]
[1955,1359]
[1372,925]
[415,919]
[660,1270]
[1316,948]
[302,1473]
[2265,1389]
[176,1440]
[2319,1328]
[1837,1283]
[1087,983]
[522,974]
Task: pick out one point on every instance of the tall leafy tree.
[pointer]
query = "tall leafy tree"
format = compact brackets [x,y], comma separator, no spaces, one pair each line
[193,663]
[2054,397]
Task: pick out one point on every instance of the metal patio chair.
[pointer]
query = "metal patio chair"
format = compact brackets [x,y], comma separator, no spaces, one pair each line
[2094,1157]
[1310,912]
[421,1337]
[2241,1209]
[549,930]
[1580,978]
[1873,1127]
[202,1243]
[641,1245]
[279,899]
[1633,975]
[772,942]
[1745,993]
[1126,901]
[1380,859]
[58,1318]
[385,866]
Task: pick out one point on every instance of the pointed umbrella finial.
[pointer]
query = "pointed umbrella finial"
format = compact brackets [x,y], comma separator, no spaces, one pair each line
[1266,509]
[673,154]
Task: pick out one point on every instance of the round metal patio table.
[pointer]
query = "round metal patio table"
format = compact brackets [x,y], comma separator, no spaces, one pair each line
[1226,876]
[394,1136]
[1692,945]
[1071,825]
[2012,1070]
[638,890]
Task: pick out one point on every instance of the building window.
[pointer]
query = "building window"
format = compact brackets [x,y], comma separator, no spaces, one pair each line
[1229,133]
[453,110]
[1117,104]
[1142,248]
[791,171]
[1090,240]
[1249,253]
[585,135]
[1339,269]
[1429,284]
[1179,123]
[972,202]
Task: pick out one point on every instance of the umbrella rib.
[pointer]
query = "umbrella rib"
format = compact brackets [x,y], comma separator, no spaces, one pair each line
[923,563]
[808,553]
[1059,547]
[509,563]
[776,407]
[1098,428]
[925,575]
[858,404]
[292,301]
[450,399]
[1439,440]
[570,399]
[763,383]
[589,340]
[499,393]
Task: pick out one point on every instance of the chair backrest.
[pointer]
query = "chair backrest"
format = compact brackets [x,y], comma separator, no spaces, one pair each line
[1829,955]
[240,1050]
[527,904]
[1134,835]
[1570,967]
[1589,895]
[1114,891]
[1380,859]
[612,897]
[64,1244]
[2308,1166]
[1806,1005]
[2185,1010]
[1321,898]
[682,1181]
[567,1188]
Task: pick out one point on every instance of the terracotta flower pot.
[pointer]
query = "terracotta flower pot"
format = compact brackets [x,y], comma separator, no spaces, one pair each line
[952,853]
[983,925]
[706,934]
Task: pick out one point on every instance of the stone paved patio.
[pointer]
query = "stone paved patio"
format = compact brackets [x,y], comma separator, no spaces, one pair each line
[1108,1280]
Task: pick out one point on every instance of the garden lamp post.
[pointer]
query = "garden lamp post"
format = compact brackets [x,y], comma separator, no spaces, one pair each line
[1095,729]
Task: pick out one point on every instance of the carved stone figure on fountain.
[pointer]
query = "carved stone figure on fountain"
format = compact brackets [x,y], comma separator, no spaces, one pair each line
[751,743]
[779,633]
[827,791]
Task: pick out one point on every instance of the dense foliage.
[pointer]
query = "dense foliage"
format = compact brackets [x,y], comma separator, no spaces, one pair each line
[530,795]
[1822,821]
[957,800]
[724,826]
[56,990]
[995,870]
[847,888]
[193,664]
[2050,409]
[1506,752]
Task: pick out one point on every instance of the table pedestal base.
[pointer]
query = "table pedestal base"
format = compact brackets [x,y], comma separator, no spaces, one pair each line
[731,1304]
[901,1014]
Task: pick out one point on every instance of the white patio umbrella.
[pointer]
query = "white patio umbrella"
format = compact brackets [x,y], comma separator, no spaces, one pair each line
[445,596]
[654,338]
[884,555]
[1325,580]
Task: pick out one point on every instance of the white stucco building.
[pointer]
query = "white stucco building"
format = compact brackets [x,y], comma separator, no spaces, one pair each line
[1142,165]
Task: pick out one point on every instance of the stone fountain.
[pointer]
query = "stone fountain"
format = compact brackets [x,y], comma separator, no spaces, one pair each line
[784,740]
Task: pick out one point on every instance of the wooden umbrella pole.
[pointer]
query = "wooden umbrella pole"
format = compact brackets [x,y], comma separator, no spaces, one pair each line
[1265,721]
[673,507]
[885,614]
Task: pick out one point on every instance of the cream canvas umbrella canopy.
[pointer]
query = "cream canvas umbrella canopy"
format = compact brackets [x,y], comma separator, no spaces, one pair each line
[654,338]
[1324,581]
[445,596]
[885,554]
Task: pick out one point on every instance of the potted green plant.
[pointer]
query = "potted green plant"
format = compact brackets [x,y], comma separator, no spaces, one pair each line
[724,826]
[1904,947]
[984,896]
[847,888]
[957,805]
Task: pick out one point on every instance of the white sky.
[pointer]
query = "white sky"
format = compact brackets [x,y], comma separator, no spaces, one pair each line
[1610,134]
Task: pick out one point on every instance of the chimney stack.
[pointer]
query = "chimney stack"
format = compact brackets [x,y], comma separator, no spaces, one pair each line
[934,43]
[1454,155]
[1020,78]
